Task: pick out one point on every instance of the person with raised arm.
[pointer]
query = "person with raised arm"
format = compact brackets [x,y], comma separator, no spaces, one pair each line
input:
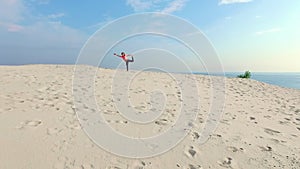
[125,58]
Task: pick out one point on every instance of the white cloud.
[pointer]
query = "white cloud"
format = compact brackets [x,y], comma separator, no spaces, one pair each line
[164,6]
[42,2]
[139,5]
[55,16]
[174,6]
[273,30]
[224,2]
[40,40]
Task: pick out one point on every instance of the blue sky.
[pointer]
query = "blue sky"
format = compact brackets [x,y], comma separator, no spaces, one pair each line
[256,35]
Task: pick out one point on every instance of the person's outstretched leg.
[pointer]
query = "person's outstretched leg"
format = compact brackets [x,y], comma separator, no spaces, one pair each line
[127,65]
[132,59]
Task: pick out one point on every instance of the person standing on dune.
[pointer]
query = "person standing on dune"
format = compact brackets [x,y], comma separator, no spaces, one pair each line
[125,58]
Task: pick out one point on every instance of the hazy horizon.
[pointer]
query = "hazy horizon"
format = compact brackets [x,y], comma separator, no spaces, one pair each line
[73,64]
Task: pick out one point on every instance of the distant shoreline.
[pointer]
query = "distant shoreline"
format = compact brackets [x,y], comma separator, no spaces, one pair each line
[282,79]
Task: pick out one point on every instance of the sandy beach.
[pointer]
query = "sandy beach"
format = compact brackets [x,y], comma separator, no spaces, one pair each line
[39,128]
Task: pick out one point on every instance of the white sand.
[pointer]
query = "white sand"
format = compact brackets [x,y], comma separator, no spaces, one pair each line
[260,126]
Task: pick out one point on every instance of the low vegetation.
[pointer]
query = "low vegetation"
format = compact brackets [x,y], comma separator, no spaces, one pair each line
[246,75]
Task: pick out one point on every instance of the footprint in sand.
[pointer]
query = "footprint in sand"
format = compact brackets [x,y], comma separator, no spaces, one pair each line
[117,121]
[29,123]
[60,145]
[297,121]
[271,131]
[33,123]
[284,122]
[226,162]
[232,149]
[112,167]
[161,122]
[191,166]
[74,126]
[252,118]
[195,136]
[139,165]
[53,131]
[190,152]
[65,162]
[266,148]
[86,166]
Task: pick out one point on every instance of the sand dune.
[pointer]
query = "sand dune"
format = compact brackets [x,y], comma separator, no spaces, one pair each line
[259,128]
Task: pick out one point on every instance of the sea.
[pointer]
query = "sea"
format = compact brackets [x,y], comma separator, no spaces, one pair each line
[283,79]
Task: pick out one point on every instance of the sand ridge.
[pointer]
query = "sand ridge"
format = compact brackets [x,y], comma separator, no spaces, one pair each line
[260,126]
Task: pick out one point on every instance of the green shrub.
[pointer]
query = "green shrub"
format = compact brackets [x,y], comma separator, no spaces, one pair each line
[246,75]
